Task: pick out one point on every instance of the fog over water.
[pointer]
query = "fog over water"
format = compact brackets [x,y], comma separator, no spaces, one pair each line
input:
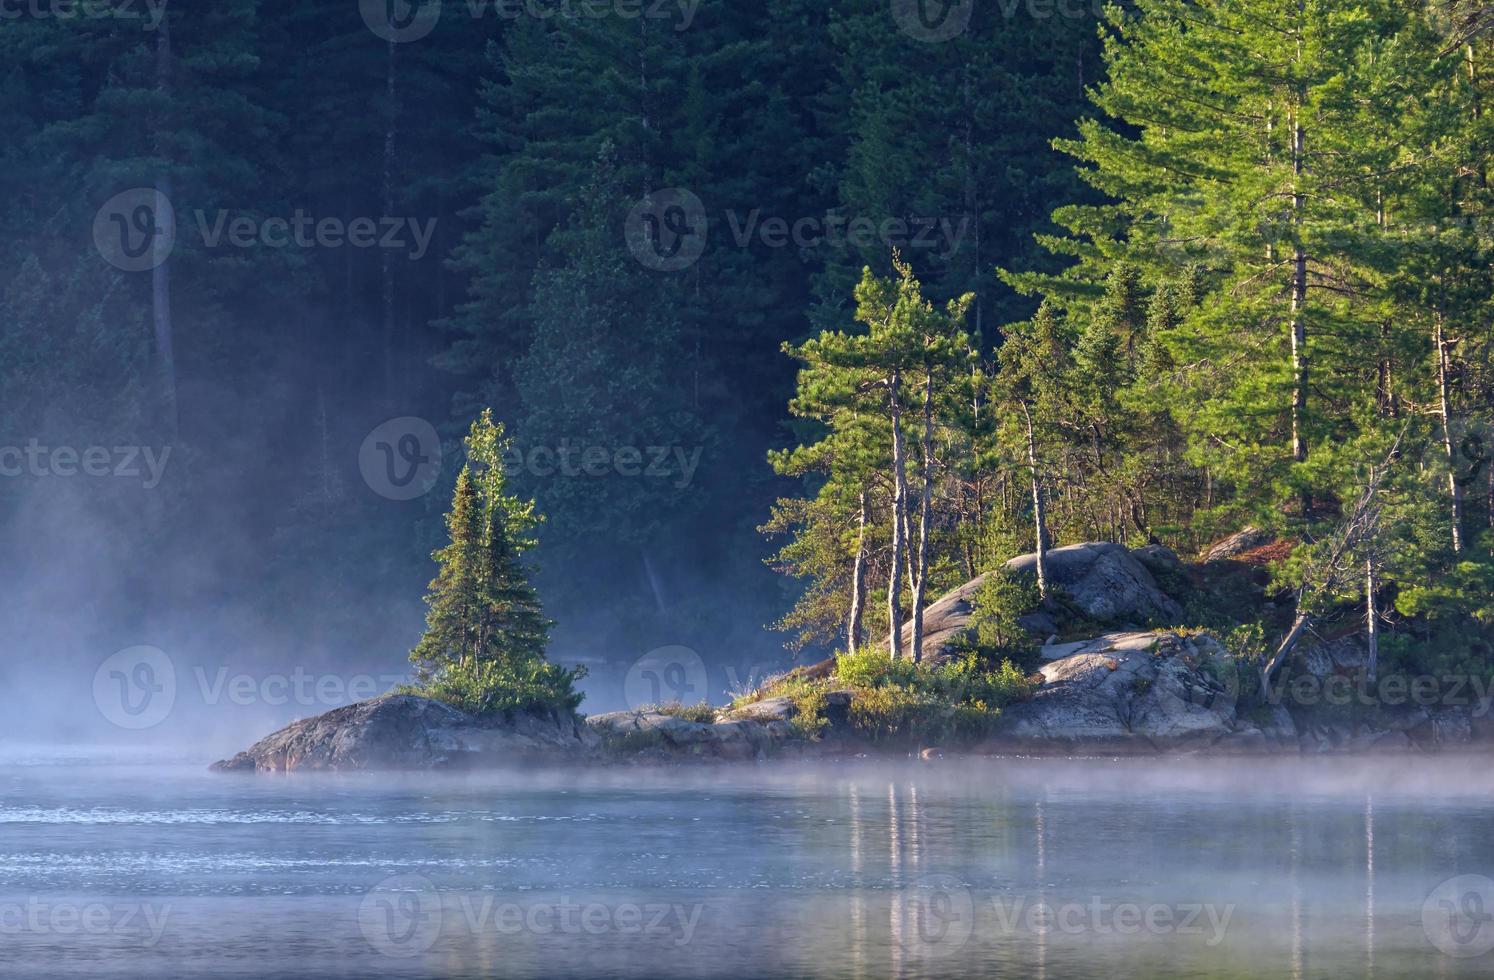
[1008,867]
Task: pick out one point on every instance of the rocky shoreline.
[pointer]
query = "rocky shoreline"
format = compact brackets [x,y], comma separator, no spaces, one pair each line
[1121,694]
[1128,691]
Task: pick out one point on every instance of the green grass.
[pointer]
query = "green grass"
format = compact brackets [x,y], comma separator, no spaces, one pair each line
[903,701]
[701,713]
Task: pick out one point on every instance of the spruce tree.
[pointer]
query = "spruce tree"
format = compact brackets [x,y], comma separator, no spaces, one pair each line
[459,593]
[484,645]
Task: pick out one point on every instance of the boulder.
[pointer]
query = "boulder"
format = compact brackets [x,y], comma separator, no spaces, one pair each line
[1149,689]
[402,731]
[1106,582]
[1160,560]
[1346,655]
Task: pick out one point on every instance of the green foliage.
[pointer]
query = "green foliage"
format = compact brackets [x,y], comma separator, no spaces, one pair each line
[1248,649]
[901,699]
[1002,599]
[879,398]
[1143,329]
[490,687]
[960,700]
[874,668]
[602,373]
[809,709]
[1464,591]
[484,644]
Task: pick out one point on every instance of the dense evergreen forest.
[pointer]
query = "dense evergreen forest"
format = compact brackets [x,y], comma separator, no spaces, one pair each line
[852,290]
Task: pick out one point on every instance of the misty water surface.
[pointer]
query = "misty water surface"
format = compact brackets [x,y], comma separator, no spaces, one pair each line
[1007,868]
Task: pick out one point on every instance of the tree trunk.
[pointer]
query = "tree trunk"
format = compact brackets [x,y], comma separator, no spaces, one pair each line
[899,510]
[1299,301]
[858,582]
[924,508]
[1299,625]
[1444,400]
[1039,509]
[1371,617]
[161,274]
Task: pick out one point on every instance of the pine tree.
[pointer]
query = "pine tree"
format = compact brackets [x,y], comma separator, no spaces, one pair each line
[1250,161]
[901,371]
[1032,386]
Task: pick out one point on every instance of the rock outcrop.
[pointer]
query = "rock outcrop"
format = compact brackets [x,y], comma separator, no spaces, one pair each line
[752,731]
[1106,582]
[1147,690]
[1103,581]
[946,621]
[655,736]
[401,731]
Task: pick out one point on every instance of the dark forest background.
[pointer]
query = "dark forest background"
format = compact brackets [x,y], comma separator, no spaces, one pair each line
[527,140]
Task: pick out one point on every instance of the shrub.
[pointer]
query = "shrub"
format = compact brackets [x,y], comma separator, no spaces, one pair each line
[961,698]
[809,708]
[873,667]
[489,687]
[969,681]
[1248,647]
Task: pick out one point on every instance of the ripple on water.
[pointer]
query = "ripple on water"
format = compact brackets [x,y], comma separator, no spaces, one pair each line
[115,815]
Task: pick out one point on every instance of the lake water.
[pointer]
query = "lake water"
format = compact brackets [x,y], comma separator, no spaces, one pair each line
[1020,868]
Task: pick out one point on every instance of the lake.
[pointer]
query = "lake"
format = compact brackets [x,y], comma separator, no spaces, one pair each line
[1022,868]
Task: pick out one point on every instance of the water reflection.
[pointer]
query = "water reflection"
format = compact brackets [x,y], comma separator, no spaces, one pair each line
[1052,869]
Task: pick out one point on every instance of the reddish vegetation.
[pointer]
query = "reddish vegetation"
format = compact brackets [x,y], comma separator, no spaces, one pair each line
[1267,554]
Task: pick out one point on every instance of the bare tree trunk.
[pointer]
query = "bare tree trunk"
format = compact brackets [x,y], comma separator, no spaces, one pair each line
[1371,617]
[910,547]
[1299,300]
[858,582]
[1444,400]
[1299,274]
[899,508]
[161,274]
[1039,508]
[924,509]
[1299,626]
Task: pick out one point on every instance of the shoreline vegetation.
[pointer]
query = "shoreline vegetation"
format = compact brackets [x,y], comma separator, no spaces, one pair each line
[1109,680]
